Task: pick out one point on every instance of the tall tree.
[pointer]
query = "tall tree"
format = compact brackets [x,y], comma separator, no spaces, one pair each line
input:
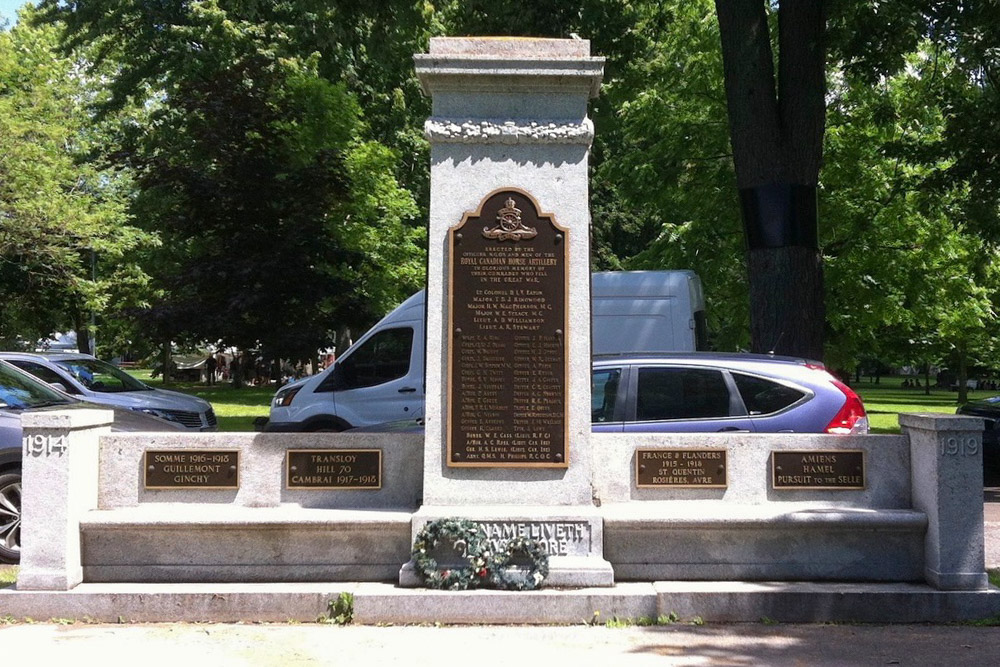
[280,221]
[776,124]
[66,244]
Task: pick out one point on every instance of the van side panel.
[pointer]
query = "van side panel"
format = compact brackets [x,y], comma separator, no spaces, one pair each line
[645,311]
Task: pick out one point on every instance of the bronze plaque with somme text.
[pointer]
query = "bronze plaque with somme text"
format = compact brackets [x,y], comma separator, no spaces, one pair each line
[818,469]
[507,369]
[334,469]
[192,469]
[681,468]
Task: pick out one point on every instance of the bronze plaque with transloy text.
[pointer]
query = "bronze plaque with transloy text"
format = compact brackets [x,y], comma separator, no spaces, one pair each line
[681,468]
[507,370]
[334,468]
[818,469]
[192,469]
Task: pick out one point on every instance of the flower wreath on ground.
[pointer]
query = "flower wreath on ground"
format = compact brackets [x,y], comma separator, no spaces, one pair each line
[483,567]
[505,578]
[466,538]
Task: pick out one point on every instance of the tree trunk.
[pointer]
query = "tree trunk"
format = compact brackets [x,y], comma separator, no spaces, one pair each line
[80,325]
[781,305]
[776,130]
[927,379]
[167,363]
[963,376]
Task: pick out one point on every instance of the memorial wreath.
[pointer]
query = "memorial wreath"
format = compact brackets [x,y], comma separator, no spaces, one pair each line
[465,537]
[482,567]
[506,578]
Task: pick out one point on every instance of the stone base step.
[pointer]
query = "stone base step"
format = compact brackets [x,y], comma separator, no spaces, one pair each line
[710,601]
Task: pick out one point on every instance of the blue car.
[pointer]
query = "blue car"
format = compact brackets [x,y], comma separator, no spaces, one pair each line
[704,392]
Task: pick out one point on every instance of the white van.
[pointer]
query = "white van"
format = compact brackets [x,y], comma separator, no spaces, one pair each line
[381,377]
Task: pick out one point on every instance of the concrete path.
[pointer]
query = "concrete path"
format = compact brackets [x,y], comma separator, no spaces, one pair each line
[172,645]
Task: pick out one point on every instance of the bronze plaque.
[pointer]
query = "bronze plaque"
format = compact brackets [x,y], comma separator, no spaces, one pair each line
[818,469]
[681,468]
[192,469]
[334,468]
[507,336]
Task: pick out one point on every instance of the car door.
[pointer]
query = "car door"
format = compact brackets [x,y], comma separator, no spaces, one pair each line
[607,399]
[381,380]
[682,399]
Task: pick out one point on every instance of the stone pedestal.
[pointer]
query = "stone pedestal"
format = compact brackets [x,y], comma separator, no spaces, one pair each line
[59,485]
[946,461]
[510,136]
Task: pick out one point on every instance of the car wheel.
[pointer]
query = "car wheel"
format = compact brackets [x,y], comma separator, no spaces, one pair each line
[10,517]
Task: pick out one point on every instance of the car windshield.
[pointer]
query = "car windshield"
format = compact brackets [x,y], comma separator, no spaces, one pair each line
[19,391]
[101,376]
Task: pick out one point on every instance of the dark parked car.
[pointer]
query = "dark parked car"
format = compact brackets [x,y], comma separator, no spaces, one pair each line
[710,392]
[20,393]
[989,410]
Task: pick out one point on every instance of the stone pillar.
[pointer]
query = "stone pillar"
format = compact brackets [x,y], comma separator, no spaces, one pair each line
[59,485]
[510,139]
[946,464]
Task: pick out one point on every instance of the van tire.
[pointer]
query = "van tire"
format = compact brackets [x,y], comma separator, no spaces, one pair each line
[10,517]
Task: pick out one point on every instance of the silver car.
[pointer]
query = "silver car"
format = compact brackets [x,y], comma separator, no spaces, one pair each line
[97,381]
[20,393]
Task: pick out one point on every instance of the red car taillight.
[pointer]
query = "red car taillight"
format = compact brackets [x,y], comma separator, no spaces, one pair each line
[851,418]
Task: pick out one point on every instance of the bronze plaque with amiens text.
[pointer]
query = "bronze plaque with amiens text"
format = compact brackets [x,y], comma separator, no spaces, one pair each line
[681,468]
[820,469]
[334,469]
[507,370]
[192,469]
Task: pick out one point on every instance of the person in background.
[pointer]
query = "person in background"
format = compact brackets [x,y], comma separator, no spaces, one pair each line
[210,365]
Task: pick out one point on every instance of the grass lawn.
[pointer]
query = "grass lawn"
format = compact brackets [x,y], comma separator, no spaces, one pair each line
[885,400]
[236,408]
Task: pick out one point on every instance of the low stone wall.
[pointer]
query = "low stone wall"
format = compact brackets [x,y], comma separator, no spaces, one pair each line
[262,470]
[90,515]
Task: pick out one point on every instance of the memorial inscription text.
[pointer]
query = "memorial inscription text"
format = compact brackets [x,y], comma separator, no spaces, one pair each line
[701,468]
[819,469]
[507,365]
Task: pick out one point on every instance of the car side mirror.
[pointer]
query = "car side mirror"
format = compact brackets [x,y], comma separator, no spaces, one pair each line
[60,386]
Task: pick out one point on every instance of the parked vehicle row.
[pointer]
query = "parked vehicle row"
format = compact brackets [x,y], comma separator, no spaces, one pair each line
[21,393]
[96,381]
[381,377]
[707,392]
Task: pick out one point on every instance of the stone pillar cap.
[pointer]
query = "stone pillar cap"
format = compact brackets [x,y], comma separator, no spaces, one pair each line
[932,421]
[509,64]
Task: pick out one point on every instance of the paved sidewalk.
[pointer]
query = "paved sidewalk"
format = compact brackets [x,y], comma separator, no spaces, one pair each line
[173,645]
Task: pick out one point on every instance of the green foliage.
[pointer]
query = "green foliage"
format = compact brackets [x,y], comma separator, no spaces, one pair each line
[341,610]
[276,151]
[65,240]
[250,160]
